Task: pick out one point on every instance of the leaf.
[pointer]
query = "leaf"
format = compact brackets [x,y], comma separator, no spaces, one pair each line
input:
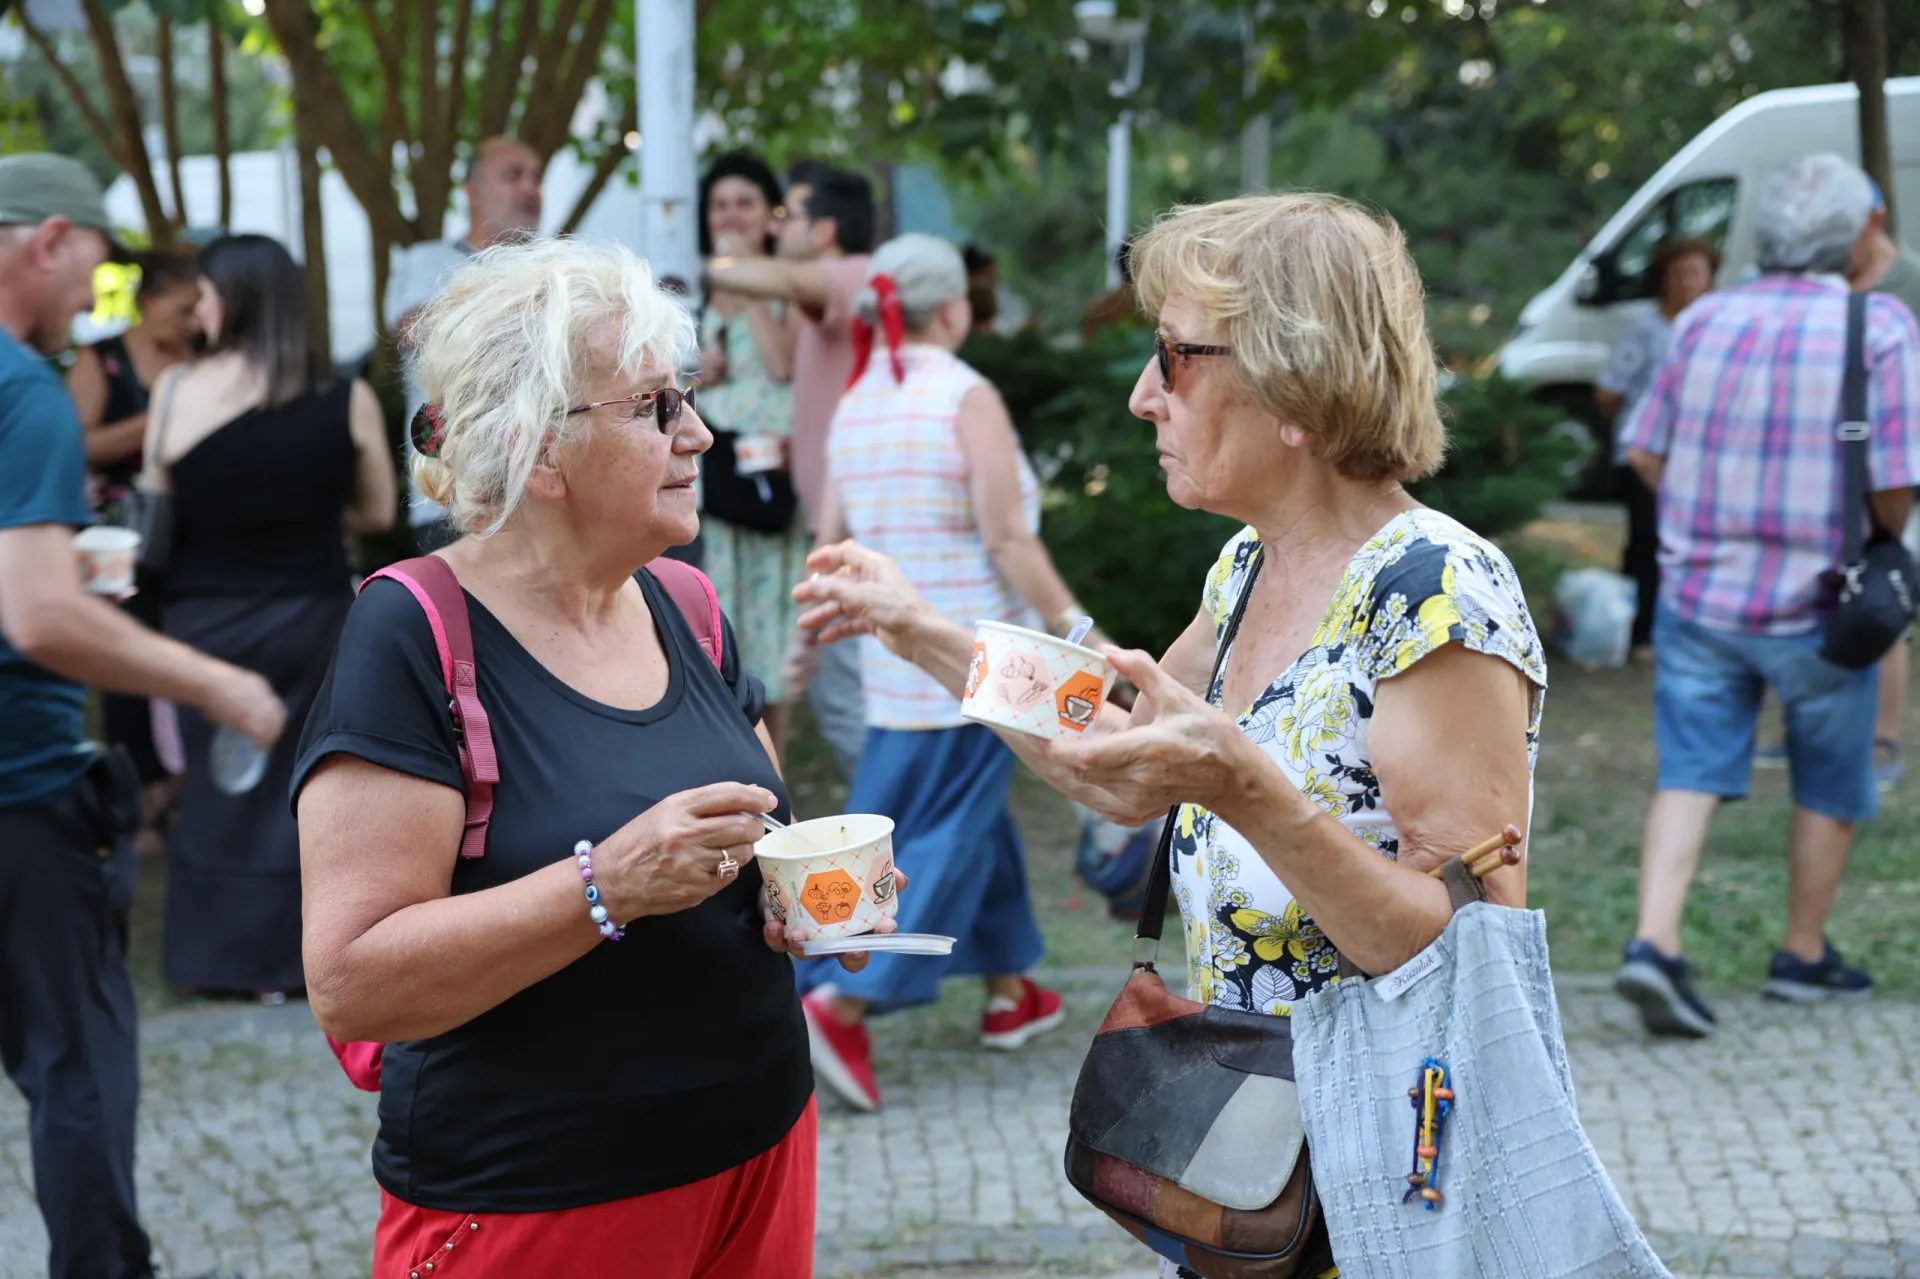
[1271,985]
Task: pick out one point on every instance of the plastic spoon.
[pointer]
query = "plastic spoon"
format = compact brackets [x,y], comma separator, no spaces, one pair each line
[1080,630]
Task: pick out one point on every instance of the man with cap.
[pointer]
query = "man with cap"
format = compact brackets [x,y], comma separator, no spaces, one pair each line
[67,1026]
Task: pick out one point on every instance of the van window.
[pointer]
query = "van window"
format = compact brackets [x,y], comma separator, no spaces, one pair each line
[1699,210]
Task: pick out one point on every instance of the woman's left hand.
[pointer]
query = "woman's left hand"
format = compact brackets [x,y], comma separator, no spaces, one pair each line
[1186,751]
[787,940]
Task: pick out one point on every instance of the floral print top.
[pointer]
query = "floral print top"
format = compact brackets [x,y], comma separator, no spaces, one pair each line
[1423,581]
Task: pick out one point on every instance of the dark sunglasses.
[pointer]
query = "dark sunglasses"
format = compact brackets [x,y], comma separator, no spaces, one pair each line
[1164,351]
[662,405]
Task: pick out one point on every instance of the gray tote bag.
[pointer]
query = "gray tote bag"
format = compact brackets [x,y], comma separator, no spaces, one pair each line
[1523,1196]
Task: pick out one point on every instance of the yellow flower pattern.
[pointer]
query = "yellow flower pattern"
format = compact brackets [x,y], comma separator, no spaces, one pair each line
[1424,581]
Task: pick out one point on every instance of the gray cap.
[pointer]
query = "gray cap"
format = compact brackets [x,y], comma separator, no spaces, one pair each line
[38,185]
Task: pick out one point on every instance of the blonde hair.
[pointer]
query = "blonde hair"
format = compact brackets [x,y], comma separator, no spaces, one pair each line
[927,270]
[1325,313]
[504,353]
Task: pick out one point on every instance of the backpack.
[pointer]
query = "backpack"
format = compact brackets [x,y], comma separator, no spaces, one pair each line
[431,581]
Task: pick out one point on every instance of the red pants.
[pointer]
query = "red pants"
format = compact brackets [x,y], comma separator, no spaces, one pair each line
[750,1222]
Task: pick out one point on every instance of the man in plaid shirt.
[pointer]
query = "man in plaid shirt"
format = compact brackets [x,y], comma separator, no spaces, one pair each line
[1738,436]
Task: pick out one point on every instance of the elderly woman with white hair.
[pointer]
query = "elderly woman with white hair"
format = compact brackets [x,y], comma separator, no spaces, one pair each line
[1379,710]
[924,465]
[576,1081]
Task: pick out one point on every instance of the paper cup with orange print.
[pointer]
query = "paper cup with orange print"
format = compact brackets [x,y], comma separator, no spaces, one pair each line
[1032,683]
[830,877]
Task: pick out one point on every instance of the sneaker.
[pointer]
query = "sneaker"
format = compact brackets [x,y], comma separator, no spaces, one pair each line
[842,1052]
[1793,978]
[1657,984]
[1010,1023]
[1887,764]
[1772,755]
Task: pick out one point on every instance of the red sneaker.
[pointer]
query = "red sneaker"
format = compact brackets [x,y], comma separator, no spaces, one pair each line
[842,1052]
[1011,1023]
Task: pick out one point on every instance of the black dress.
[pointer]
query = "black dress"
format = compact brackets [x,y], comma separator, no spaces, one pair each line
[127,721]
[258,577]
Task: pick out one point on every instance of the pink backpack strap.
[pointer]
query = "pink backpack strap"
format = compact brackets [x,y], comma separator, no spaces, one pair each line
[432,582]
[692,593]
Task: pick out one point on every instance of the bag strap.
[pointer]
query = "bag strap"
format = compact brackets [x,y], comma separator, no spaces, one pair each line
[692,593]
[1153,908]
[1855,431]
[150,464]
[433,584]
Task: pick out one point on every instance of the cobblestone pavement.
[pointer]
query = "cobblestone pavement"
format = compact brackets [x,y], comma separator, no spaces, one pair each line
[1789,1145]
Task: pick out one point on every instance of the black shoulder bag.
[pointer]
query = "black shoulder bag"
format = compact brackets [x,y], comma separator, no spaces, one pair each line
[1873,599]
[764,501]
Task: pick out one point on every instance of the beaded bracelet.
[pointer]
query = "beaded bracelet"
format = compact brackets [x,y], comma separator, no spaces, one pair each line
[583,853]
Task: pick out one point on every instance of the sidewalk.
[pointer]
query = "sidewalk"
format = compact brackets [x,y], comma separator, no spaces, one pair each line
[1786,1146]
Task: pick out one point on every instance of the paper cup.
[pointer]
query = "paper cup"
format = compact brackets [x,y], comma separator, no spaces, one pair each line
[107,556]
[830,877]
[757,454]
[1033,683]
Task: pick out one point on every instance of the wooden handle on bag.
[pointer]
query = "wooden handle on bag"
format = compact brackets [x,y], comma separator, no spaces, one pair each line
[1490,854]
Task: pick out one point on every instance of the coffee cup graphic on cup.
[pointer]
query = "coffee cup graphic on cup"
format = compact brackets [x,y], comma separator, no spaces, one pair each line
[1033,683]
[830,877]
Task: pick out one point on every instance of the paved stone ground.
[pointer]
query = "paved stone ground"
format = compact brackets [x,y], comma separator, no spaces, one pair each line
[1789,1146]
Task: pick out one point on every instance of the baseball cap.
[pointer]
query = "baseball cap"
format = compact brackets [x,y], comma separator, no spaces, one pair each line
[38,185]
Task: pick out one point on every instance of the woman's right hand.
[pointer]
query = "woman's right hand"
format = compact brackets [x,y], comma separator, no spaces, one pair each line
[668,858]
[856,591]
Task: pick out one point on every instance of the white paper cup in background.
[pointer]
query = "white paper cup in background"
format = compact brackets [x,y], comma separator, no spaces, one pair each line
[832,876]
[757,454]
[1032,683]
[108,555]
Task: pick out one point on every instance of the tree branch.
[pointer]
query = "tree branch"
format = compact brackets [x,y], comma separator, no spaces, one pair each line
[430,172]
[170,115]
[505,70]
[603,170]
[222,139]
[583,59]
[369,177]
[454,94]
[387,39]
[96,123]
[124,108]
[547,53]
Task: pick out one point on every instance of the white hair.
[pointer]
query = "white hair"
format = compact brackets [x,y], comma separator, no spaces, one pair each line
[507,348]
[925,269]
[1811,211]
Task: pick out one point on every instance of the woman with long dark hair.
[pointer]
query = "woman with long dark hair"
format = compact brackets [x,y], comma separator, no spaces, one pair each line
[754,543]
[111,383]
[272,463]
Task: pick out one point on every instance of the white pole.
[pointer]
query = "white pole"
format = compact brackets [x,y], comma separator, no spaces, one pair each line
[1120,164]
[1256,136]
[668,187]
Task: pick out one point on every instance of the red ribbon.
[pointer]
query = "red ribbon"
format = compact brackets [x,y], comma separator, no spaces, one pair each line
[893,324]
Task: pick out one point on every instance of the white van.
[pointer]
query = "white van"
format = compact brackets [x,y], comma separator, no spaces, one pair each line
[1708,191]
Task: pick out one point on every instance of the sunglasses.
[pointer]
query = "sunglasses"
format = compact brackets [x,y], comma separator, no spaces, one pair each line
[662,405]
[1164,351]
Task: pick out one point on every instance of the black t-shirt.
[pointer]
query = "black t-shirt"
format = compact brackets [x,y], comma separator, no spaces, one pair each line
[652,1062]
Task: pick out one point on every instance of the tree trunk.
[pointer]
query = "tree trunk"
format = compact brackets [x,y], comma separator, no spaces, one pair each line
[312,230]
[170,116]
[1863,28]
[222,141]
[124,109]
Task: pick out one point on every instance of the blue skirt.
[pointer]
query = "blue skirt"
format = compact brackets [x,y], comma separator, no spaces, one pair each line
[946,790]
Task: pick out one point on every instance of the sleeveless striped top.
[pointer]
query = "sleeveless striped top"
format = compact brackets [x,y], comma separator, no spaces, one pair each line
[896,466]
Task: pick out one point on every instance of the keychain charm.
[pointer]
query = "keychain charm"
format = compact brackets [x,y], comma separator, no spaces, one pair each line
[1432,1099]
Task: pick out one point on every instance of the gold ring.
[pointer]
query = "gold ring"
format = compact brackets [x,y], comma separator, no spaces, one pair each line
[728,867]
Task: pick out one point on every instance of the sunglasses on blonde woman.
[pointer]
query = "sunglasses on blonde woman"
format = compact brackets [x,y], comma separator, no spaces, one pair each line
[1164,351]
[662,405]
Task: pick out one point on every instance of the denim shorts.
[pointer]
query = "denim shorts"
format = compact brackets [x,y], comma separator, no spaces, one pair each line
[1707,690]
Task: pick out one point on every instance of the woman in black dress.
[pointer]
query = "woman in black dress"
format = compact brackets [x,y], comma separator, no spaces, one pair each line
[109,383]
[272,463]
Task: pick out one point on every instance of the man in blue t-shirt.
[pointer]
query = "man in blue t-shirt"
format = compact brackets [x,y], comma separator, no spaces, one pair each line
[66,812]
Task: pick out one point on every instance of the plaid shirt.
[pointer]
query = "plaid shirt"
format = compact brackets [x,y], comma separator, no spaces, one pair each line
[1745,412]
